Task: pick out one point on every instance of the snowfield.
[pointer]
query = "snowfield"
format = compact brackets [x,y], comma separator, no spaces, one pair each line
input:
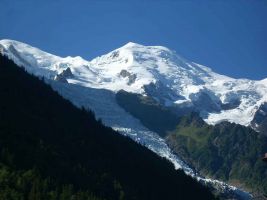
[148,70]
[140,69]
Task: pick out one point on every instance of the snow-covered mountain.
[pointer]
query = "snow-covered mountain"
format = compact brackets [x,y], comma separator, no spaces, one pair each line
[147,70]
[155,71]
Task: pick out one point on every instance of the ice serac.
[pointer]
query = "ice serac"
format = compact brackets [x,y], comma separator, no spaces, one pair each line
[155,71]
[175,81]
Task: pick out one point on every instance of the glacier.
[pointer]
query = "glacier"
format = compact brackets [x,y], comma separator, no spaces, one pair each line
[156,71]
[147,70]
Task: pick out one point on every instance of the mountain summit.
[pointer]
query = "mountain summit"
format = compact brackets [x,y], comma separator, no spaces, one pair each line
[155,71]
[161,83]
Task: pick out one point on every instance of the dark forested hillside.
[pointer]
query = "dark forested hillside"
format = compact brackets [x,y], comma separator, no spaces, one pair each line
[50,149]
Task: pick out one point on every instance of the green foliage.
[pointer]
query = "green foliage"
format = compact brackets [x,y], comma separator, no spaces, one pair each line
[28,184]
[52,150]
[227,151]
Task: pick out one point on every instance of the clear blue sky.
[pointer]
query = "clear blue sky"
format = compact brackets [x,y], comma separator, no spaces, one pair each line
[229,36]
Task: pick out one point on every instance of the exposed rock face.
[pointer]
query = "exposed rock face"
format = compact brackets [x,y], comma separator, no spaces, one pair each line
[157,72]
[205,101]
[62,77]
[164,94]
[67,73]
[115,54]
[124,73]
[131,77]
[259,121]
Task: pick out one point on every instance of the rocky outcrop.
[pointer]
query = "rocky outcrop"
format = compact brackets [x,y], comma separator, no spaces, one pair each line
[131,77]
[259,121]
[162,93]
[115,54]
[62,77]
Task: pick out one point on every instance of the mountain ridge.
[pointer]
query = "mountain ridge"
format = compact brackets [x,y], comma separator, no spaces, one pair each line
[156,71]
[91,88]
[50,149]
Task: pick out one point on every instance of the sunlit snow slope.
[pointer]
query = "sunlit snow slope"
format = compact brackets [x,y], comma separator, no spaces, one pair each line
[83,88]
[155,71]
[148,70]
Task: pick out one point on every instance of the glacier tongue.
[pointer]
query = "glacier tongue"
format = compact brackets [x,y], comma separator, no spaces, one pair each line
[174,80]
[104,104]
[105,107]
